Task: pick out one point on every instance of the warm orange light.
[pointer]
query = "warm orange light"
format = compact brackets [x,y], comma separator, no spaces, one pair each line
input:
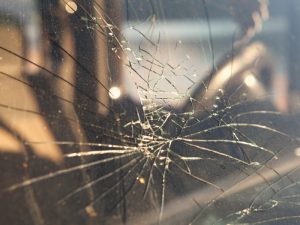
[250,80]
[115,92]
[71,7]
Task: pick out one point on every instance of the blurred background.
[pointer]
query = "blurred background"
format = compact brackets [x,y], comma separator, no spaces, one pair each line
[83,76]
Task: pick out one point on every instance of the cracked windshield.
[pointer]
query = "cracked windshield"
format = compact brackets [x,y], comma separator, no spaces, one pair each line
[146,112]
